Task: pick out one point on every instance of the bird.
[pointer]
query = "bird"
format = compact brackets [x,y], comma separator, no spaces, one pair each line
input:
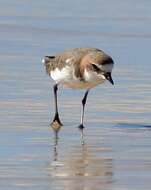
[78,68]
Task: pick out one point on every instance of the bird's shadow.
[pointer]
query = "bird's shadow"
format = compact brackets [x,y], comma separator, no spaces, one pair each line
[132,126]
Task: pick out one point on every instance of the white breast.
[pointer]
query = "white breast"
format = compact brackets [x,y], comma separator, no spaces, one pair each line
[66,77]
[62,75]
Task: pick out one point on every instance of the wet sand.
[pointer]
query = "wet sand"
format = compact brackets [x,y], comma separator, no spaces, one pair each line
[116,155]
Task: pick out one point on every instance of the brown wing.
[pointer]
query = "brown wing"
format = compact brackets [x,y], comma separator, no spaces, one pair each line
[61,60]
[72,56]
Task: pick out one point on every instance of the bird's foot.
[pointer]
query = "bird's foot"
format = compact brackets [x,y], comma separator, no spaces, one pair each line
[56,125]
[81,127]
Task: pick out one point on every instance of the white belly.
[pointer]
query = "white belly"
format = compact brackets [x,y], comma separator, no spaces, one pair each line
[66,77]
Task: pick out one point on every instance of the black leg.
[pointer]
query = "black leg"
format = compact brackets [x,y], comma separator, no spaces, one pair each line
[81,126]
[56,117]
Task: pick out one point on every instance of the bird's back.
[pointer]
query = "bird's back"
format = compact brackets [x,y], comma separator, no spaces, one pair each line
[73,56]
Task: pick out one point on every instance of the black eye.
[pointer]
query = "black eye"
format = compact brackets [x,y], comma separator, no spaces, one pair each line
[96,68]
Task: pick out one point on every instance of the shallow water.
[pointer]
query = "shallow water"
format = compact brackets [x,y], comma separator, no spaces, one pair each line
[116,154]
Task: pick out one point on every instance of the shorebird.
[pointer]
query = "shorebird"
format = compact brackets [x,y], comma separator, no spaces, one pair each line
[82,68]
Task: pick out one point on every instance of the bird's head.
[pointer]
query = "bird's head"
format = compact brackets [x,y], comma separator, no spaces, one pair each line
[102,64]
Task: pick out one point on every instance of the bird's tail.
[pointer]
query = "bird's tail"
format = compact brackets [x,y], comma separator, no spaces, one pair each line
[47,61]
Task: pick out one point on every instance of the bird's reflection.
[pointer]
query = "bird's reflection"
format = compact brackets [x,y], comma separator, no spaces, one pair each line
[80,168]
[55,147]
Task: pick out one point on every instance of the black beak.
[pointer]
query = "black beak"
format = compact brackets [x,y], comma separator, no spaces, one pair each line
[109,77]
